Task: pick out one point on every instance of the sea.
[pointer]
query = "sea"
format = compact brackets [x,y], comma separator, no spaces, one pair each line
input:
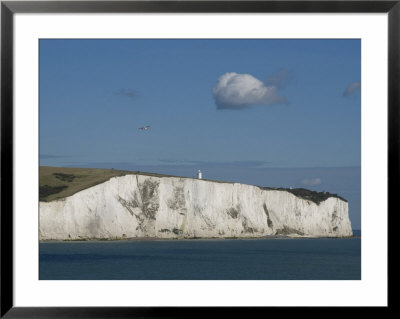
[276,258]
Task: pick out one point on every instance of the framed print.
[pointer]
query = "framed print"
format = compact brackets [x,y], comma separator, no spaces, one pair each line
[165,157]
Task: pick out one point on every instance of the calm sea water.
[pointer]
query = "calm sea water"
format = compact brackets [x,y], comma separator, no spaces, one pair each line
[249,259]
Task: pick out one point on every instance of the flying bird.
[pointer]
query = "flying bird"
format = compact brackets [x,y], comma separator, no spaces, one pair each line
[144,128]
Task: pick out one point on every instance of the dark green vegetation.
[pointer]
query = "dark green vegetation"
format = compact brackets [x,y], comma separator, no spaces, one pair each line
[316,197]
[60,182]
[64,177]
[47,190]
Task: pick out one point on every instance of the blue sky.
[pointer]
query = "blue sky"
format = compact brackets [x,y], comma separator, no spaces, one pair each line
[265,112]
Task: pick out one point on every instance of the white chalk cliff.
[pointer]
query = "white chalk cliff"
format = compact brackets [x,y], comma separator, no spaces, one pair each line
[173,207]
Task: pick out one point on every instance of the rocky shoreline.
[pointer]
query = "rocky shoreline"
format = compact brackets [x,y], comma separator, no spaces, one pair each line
[188,239]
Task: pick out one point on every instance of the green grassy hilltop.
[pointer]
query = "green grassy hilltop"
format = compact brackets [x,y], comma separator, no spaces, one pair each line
[60,182]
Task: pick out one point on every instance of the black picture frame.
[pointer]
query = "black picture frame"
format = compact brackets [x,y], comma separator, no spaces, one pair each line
[9,8]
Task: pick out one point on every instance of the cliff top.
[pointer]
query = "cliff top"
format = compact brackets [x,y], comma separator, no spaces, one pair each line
[60,182]
[316,197]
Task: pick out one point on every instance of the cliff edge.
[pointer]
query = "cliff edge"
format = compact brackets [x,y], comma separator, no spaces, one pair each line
[137,205]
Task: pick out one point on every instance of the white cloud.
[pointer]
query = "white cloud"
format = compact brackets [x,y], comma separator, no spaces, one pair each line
[311,182]
[237,91]
[352,88]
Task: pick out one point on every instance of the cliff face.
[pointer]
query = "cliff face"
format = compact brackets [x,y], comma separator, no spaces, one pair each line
[171,207]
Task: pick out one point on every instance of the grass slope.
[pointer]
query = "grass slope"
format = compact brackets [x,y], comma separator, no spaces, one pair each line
[60,182]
